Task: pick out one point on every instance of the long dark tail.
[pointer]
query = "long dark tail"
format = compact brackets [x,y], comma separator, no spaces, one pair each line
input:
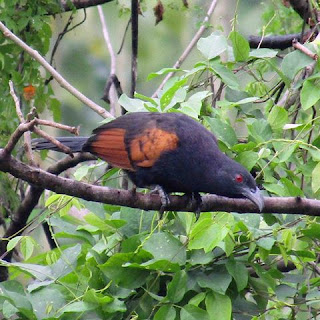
[74,143]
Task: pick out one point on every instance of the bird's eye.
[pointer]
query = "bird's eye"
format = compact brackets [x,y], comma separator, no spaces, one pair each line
[239,178]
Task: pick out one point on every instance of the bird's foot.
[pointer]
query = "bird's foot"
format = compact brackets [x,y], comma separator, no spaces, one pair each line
[164,197]
[196,202]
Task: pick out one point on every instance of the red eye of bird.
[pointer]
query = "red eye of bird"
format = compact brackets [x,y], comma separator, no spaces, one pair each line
[239,178]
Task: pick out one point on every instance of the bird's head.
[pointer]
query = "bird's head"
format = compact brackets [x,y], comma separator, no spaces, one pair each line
[236,182]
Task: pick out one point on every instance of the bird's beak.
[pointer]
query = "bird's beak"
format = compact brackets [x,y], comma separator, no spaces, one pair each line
[255,196]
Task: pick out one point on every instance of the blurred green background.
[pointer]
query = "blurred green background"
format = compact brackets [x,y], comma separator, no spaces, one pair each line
[83,59]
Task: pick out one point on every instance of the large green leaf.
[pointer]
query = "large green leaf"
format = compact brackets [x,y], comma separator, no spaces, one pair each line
[163,246]
[213,45]
[240,46]
[219,307]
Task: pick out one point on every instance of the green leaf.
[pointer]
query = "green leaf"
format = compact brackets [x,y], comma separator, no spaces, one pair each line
[161,72]
[197,299]
[292,189]
[248,159]
[39,272]
[177,287]
[81,172]
[115,268]
[192,106]
[47,300]
[79,306]
[226,75]
[213,45]
[206,234]
[240,46]
[94,296]
[8,309]
[313,231]
[13,242]
[169,94]
[163,245]
[263,53]
[27,246]
[294,62]
[286,152]
[13,291]
[277,118]
[160,265]
[315,182]
[143,97]
[131,105]
[219,306]
[218,280]
[223,131]
[239,273]
[166,312]
[191,312]
[266,243]
[310,93]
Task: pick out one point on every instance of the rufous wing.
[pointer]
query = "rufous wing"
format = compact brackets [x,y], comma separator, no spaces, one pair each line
[109,145]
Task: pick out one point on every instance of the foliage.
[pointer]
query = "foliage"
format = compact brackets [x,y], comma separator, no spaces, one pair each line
[122,263]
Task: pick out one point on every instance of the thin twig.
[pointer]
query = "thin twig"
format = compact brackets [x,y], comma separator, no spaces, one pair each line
[74,130]
[57,76]
[134,44]
[192,43]
[112,92]
[304,50]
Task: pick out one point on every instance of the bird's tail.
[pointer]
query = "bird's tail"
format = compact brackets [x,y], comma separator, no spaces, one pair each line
[74,143]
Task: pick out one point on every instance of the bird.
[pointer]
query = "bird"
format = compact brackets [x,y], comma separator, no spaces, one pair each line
[169,151]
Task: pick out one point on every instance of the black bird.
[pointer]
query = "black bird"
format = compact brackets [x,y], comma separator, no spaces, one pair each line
[169,150]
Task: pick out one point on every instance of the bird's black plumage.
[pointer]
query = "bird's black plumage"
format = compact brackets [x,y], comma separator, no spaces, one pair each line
[170,150]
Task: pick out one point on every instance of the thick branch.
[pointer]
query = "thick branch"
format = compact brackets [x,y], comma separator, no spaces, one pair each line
[89,192]
[81,4]
[277,42]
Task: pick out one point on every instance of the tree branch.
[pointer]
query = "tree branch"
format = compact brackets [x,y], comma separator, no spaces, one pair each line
[127,198]
[56,75]
[81,4]
[134,44]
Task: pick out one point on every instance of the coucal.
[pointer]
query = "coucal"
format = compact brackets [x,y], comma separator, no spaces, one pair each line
[169,150]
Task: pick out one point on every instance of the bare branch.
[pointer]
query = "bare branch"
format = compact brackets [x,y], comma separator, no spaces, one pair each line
[112,91]
[134,44]
[127,198]
[297,45]
[192,43]
[57,76]
[74,130]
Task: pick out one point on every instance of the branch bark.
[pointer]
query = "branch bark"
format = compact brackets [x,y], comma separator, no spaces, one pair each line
[43,179]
